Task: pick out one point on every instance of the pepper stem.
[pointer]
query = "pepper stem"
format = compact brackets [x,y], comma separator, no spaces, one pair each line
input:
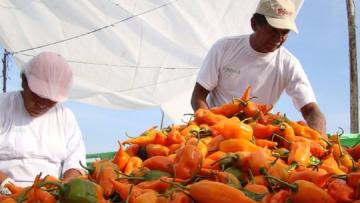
[90,170]
[292,187]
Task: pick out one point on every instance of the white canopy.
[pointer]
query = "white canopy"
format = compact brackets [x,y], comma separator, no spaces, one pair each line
[126,54]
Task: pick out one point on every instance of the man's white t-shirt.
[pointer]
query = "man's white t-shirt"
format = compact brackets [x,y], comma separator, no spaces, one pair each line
[232,64]
[50,144]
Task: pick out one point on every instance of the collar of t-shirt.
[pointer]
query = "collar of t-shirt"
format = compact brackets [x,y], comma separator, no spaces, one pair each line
[253,52]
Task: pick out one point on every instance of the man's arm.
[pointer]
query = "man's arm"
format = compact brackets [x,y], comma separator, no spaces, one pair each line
[314,117]
[198,98]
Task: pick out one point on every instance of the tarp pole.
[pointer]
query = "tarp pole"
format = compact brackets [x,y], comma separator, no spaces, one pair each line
[162,119]
[4,71]
[354,115]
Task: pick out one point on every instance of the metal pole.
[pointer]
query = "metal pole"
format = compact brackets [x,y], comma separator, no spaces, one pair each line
[162,118]
[354,116]
[4,71]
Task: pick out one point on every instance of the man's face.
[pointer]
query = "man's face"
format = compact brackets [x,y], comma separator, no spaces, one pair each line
[267,38]
[34,104]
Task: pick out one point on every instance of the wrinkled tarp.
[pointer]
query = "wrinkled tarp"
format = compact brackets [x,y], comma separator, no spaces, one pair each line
[126,54]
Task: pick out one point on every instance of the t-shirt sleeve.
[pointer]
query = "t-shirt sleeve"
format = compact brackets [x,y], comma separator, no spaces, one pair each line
[299,87]
[209,71]
[75,145]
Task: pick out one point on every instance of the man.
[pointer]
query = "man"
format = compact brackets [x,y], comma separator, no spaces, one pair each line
[37,133]
[258,60]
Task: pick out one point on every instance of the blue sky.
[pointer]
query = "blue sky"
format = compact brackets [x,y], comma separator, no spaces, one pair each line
[321,46]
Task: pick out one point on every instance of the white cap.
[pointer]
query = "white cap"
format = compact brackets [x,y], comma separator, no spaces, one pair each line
[278,13]
[49,76]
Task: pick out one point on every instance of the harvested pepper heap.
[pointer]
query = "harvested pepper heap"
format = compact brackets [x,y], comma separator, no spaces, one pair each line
[237,152]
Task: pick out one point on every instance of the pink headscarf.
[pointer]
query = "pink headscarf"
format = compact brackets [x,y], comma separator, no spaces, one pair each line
[49,76]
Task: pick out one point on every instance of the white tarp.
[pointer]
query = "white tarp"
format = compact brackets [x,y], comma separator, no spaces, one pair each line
[126,54]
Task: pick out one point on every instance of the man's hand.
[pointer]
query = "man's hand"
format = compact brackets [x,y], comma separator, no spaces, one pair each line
[4,179]
[198,98]
[314,117]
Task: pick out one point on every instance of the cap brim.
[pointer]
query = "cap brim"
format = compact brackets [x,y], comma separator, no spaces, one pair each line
[282,23]
[40,88]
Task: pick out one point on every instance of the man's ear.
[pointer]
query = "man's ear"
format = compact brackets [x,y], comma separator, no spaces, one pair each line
[253,24]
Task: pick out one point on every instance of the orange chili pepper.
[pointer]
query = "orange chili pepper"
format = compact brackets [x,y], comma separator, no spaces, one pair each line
[317,149]
[216,155]
[263,131]
[228,109]
[232,128]
[174,147]
[265,143]
[39,195]
[157,185]
[203,148]
[209,163]
[277,197]
[145,138]
[355,152]
[190,130]
[132,150]
[150,196]
[352,178]
[287,132]
[123,189]
[304,191]
[105,170]
[340,191]
[260,180]
[236,144]
[213,145]
[156,150]
[264,108]
[180,197]
[161,163]
[279,169]
[133,163]
[8,200]
[205,116]
[250,109]
[259,159]
[299,153]
[206,140]
[215,192]
[161,138]
[319,177]
[256,188]
[330,165]
[304,131]
[187,161]
[175,137]
[220,176]
[121,157]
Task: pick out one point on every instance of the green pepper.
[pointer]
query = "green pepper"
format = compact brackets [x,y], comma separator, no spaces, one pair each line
[76,190]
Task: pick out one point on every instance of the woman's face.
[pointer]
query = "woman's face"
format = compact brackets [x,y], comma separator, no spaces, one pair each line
[34,104]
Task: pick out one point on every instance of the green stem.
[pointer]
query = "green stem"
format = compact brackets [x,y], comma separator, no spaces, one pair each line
[278,136]
[293,187]
[131,178]
[342,176]
[90,170]
[329,144]
[251,176]
[174,184]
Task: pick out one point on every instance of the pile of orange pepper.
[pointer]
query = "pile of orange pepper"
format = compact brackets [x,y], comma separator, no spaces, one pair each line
[238,152]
